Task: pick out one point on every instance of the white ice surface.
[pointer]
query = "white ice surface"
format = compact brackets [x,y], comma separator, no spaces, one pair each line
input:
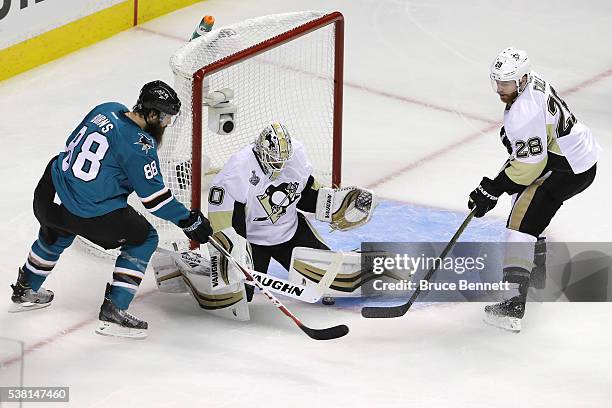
[417,106]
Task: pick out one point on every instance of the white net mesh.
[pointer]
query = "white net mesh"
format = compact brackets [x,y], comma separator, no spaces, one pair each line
[292,84]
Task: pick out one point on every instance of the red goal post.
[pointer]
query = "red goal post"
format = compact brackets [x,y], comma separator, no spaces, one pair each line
[335,18]
[286,68]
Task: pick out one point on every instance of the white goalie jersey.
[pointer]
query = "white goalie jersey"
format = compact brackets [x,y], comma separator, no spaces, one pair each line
[543,131]
[270,206]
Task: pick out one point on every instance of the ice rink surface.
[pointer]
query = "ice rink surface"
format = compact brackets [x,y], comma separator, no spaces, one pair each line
[420,127]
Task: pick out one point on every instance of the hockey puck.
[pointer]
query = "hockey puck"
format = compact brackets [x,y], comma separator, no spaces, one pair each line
[328,300]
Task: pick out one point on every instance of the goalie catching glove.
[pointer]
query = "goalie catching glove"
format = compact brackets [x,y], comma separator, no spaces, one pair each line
[345,208]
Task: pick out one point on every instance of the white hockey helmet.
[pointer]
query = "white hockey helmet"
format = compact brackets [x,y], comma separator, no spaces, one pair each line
[273,148]
[511,64]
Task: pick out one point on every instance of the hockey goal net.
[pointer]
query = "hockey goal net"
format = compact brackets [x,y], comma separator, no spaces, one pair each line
[281,68]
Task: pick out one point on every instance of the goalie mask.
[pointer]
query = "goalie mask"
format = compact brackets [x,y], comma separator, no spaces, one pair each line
[273,149]
[510,65]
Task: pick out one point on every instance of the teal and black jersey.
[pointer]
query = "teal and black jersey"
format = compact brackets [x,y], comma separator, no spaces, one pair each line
[107,157]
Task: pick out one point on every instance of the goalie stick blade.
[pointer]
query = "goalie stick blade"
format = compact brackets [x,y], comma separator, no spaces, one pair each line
[381,312]
[326,334]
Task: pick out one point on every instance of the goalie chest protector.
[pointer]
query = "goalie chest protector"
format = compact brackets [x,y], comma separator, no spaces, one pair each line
[270,205]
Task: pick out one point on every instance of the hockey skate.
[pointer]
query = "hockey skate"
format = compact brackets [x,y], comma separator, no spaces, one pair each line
[25,298]
[506,315]
[116,322]
[538,273]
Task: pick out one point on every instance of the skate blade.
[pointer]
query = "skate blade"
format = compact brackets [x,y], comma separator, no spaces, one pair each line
[113,329]
[511,324]
[27,306]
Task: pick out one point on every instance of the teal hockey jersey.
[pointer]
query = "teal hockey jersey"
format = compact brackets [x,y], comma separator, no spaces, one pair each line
[106,158]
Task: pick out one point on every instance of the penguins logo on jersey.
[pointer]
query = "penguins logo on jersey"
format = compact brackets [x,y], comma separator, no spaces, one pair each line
[276,199]
[145,142]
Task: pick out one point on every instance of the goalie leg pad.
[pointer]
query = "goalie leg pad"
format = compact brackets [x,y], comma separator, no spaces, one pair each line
[331,273]
[229,302]
[168,275]
[214,283]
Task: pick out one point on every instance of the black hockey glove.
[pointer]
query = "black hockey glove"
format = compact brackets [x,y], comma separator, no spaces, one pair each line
[196,227]
[484,197]
[505,140]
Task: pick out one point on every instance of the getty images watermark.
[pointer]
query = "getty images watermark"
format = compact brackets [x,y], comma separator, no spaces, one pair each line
[473,271]
[390,265]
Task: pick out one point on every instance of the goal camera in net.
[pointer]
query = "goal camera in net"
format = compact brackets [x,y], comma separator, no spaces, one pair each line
[221,112]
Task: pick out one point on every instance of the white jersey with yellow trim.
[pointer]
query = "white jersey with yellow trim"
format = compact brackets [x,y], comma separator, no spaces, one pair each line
[540,126]
[270,205]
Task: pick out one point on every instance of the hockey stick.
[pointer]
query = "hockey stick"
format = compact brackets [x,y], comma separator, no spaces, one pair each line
[317,334]
[400,310]
[283,287]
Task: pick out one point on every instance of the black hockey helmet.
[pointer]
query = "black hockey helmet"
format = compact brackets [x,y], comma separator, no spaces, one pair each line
[159,96]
